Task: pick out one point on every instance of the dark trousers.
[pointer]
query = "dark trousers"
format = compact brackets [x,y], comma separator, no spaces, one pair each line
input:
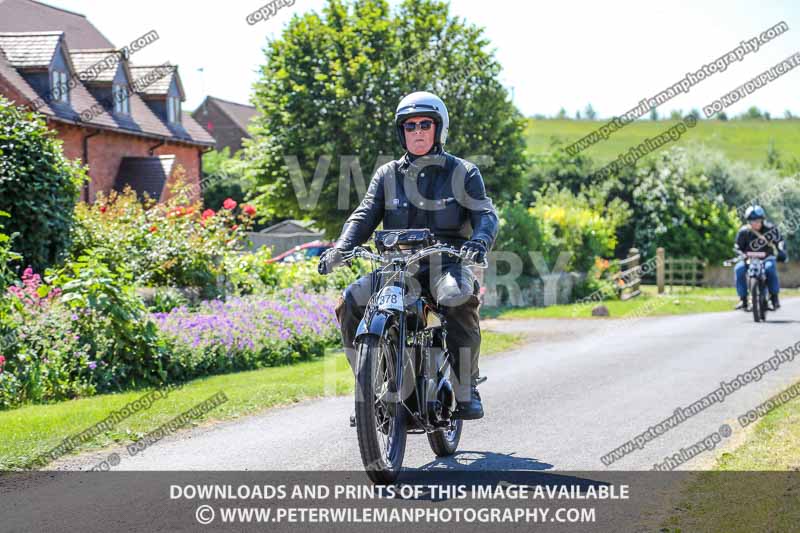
[454,289]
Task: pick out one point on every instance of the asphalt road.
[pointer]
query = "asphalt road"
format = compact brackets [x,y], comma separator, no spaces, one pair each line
[581,389]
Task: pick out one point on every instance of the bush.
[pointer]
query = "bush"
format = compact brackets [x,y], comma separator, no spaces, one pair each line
[561,222]
[44,356]
[123,339]
[677,208]
[39,186]
[171,244]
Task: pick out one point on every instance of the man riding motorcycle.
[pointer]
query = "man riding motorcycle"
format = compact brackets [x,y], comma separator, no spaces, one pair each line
[758,235]
[426,188]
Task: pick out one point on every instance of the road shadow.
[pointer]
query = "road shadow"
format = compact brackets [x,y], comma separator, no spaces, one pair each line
[472,468]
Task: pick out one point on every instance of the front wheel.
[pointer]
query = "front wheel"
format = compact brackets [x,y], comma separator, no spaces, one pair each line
[380,417]
[444,442]
[756,299]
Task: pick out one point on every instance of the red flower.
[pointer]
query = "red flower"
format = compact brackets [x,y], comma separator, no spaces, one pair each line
[229,204]
[153,229]
[249,210]
[2,362]
[208,213]
[103,208]
[235,227]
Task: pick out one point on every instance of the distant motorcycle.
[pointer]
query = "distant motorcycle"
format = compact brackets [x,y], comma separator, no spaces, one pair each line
[404,374]
[756,282]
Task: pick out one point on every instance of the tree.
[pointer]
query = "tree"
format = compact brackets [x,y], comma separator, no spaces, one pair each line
[788,115]
[562,114]
[39,186]
[653,114]
[329,88]
[676,114]
[589,112]
[722,115]
[578,114]
[753,113]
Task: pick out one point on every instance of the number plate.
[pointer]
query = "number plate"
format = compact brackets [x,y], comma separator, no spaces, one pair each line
[390,298]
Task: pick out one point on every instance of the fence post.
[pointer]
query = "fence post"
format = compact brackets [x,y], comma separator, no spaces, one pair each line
[660,267]
[634,253]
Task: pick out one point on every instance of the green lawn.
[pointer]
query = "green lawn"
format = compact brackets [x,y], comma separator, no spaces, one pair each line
[699,300]
[29,431]
[739,140]
[756,501]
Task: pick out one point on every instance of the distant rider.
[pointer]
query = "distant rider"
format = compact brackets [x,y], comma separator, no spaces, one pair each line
[758,235]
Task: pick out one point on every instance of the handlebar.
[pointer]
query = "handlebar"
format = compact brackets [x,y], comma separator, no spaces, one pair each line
[418,256]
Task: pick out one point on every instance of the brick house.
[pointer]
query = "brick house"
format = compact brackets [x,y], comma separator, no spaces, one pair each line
[226,121]
[123,120]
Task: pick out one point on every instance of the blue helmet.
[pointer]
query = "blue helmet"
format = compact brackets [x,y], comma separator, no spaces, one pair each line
[755,212]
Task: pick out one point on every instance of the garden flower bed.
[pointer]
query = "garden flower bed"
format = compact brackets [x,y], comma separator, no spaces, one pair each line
[248,332]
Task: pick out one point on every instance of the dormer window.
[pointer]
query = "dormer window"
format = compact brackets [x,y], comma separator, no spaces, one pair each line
[122,104]
[174,109]
[59,87]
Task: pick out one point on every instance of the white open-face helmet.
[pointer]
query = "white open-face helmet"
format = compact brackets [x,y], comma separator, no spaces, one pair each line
[422,104]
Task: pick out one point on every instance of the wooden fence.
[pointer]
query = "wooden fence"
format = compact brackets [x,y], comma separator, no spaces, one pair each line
[674,272]
[628,280]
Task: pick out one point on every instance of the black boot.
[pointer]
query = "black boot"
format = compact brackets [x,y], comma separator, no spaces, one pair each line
[471,410]
[743,305]
[776,304]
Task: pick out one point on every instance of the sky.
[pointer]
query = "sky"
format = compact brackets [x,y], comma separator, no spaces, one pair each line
[554,54]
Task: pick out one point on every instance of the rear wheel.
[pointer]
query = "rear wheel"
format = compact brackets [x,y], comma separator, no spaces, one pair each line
[444,442]
[380,417]
[756,299]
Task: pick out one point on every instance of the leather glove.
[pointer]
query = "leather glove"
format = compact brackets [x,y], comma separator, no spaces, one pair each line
[329,260]
[474,251]
[783,257]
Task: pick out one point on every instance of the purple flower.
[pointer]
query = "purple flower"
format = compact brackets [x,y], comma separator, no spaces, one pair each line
[92,365]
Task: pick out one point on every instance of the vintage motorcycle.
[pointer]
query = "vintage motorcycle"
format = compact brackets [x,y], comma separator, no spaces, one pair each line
[405,381]
[756,282]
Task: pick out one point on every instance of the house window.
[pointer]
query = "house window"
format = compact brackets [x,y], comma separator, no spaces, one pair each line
[121,100]
[59,87]
[173,109]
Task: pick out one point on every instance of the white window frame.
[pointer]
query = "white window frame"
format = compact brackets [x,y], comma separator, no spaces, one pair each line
[59,87]
[121,98]
[174,109]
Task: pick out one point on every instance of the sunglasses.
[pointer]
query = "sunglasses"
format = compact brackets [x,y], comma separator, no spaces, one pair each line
[424,125]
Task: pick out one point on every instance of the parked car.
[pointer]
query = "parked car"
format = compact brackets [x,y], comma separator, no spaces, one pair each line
[302,252]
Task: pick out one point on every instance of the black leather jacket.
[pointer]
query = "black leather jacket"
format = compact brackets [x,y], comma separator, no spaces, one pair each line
[439,191]
[773,243]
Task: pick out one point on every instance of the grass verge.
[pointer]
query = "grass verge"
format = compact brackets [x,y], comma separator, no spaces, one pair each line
[31,430]
[698,300]
[754,487]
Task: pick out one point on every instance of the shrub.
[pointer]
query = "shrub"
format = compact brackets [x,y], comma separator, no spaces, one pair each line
[44,357]
[123,340]
[173,243]
[562,222]
[39,186]
[677,208]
